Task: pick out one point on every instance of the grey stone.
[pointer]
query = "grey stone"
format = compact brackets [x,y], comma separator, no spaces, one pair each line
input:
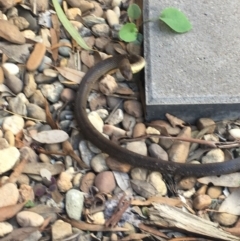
[37,98]
[194,74]
[64,50]
[36,112]
[91,20]
[46,62]
[18,104]
[101,29]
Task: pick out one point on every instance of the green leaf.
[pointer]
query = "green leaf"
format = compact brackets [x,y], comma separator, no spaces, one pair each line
[128,32]
[134,11]
[176,20]
[29,204]
[68,26]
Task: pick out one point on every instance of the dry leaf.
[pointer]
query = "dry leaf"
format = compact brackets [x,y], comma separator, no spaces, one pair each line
[51,136]
[42,209]
[175,121]
[87,59]
[54,41]
[135,236]
[10,211]
[122,180]
[143,188]
[151,230]
[228,180]
[231,203]
[234,230]
[49,118]
[71,74]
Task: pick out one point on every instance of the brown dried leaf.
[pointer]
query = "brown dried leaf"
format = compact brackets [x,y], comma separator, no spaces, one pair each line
[10,211]
[151,230]
[175,121]
[41,209]
[49,118]
[123,90]
[234,230]
[143,188]
[54,41]
[156,199]
[18,140]
[135,236]
[122,180]
[20,234]
[87,59]
[227,180]
[71,74]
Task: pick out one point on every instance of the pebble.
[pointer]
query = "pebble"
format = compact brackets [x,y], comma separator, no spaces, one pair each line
[157,151]
[86,153]
[155,178]
[137,147]
[34,111]
[101,42]
[74,204]
[68,95]
[117,11]
[13,83]
[235,133]
[20,22]
[61,230]
[108,85]
[52,91]
[23,179]
[18,104]
[96,121]
[180,149]
[139,173]
[29,219]
[9,137]
[3,143]
[116,117]
[36,57]
[87,182]
[133,107]
[98,218]
[64,182]
[11,33]
[46,62]
[203,123]
[30,85]
[13,123]
[65,51]
[112,17]
[98,163]
[37,98]
[72,13]
[91,20]
[103,113]
[215,155]
[128,122]
[105,182]
[187,183]
[201,202]
[116,3]
[139,130]
[225,219]
[41,6]
[9,195]
[9,157]
[214,192]
[11,68]
[164,124]
[5,228]
[50,73]
[150,131]
[101,30]
[97,11]
[26,193]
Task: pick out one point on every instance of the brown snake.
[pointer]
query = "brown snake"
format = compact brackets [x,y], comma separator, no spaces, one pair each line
[124,155]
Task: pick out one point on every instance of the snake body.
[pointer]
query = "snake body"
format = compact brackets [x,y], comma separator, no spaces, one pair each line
[124,155]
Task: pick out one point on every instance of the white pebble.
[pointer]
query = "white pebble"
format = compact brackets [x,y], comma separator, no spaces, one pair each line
[11,68]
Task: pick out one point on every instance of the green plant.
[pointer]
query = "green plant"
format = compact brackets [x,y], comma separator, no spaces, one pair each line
[173,17]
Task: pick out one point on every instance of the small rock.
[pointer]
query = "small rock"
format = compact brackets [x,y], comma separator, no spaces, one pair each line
[61,230]
[128,122]
[30,85]
[96,101]
[3,143]
[179,150]
[13,123]
[46,62]
[23,179]
[215,155]
[187,183]
[112,17]
[139,130]
[11,33]
[155,178]
[96,121]
[108,85]
[68,95]
[225,219]
[101,42]
[50,73]
[9,195]
[97,9]
[235,133]
[97,218]
[36,57]
[9,157]
[13,83]
[103,113]
[11,68]
[86,154]
[87,182]
[150,130]
[139,173]
[8,135]
[118,14]
[116,3]
[201,202]
[98,163]
[105,182]
[52,92]
[18,104]
[164,124]
[214,192]
[36,112]
[116,117]
[115,165]
[26,192]
[20,22]
[74,203]
[37,98]
[91,20]
[64,182]
[29,219]
[157,151]
[5,228]
[139,147]
[65,51]
[41,6]
[203,123]
[101,30]
[133,107]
